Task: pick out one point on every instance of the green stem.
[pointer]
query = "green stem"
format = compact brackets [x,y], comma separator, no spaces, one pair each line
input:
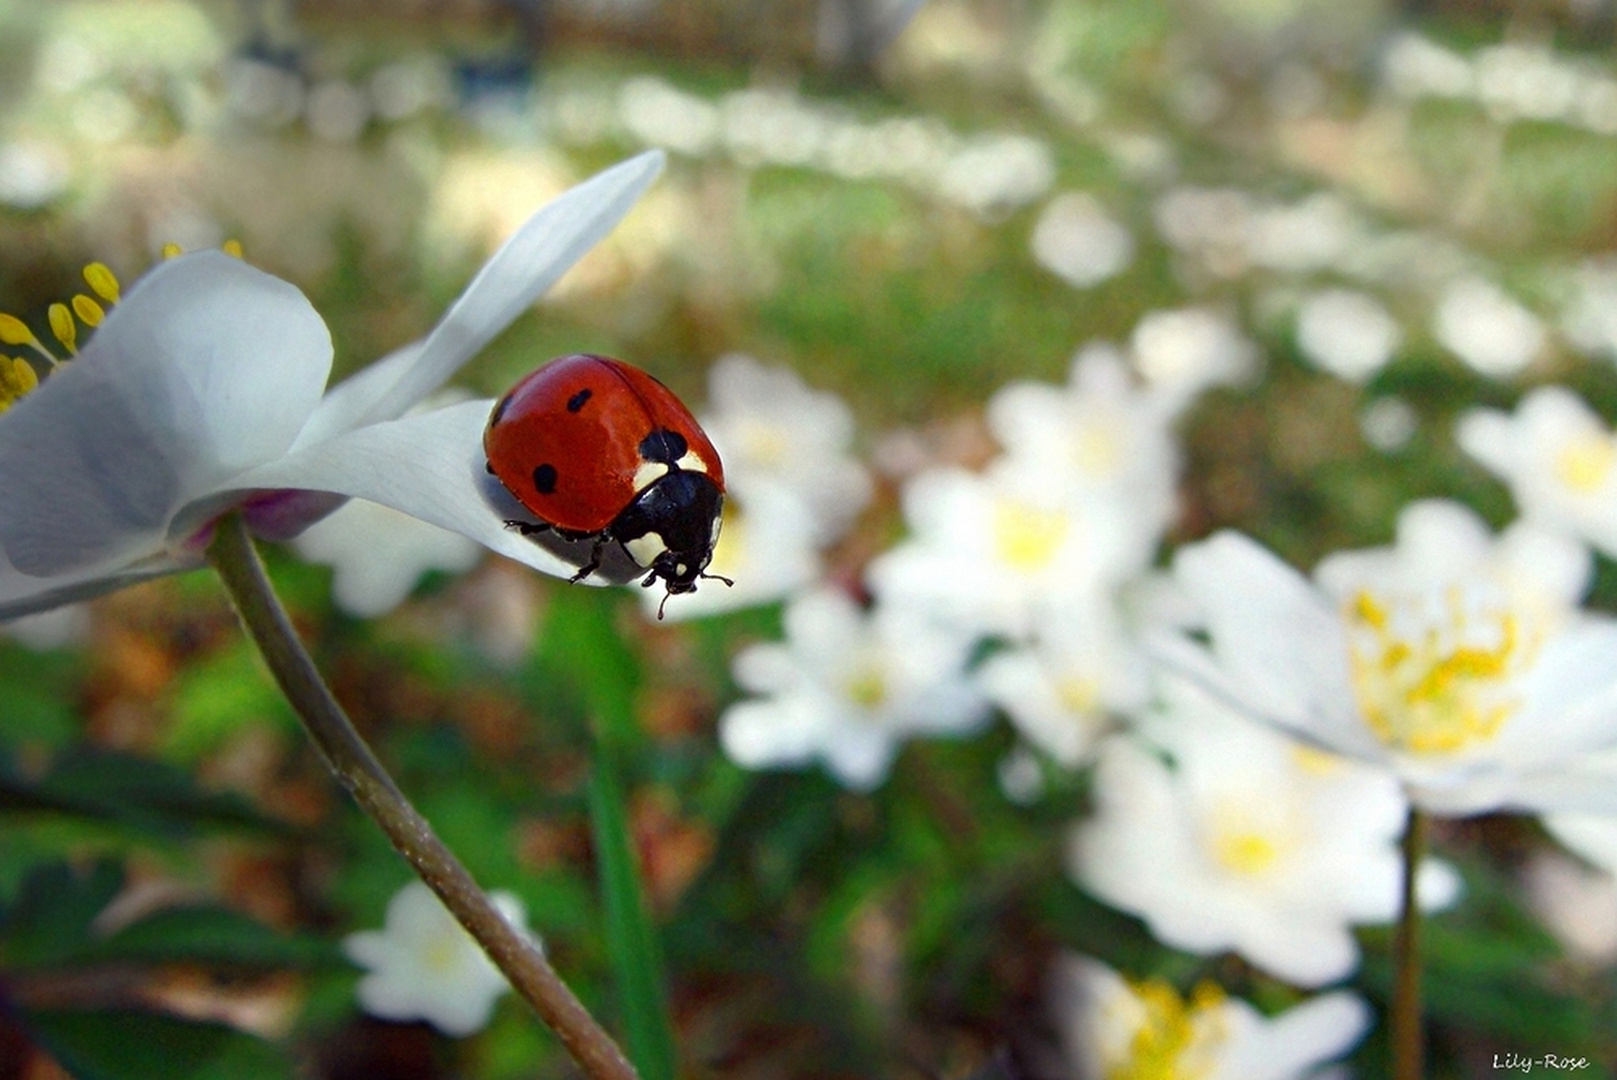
[520,958]
[1407,1048]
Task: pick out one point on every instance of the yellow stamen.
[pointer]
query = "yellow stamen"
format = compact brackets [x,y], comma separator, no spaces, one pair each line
[172,249]
[17,378]
[1585,462]
[102,282]
[89,312]
[1028,538]
[1442,682]
[1078,693]
[232,247]
[867,688]
[63,327]
[13,332]
[1176,1039]
[1246,853]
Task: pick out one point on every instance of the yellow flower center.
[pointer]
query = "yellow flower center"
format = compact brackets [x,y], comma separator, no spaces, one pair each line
[867,686]
[728,552]
[1585,463]
[1434,675]
[444,951]
[1175,1039]
[17,377]
[1243,844]
[1027,538]
[1078,693]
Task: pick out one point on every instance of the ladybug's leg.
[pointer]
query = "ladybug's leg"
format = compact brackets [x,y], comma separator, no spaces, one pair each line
[595,561]
[528,528]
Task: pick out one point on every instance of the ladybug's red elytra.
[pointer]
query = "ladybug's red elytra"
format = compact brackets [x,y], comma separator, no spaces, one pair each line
[598,450]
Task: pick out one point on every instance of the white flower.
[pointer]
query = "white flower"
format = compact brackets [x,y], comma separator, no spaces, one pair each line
[1247,842]
[999,553]
[1487,329]
[1459,662]
[1558,458]
[1347,333]
[1062,691]
[378,554]
[993,174]
[1115,1028]
[1388,423]
[1590,318]
[1186,351]
[1100,436]
[203,391]
[772,431]
[1076,240]
[57,628]
[423,965]
[847,688]
[1310,235]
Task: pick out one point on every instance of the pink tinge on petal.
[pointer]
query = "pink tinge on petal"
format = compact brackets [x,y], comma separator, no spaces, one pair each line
[281,515]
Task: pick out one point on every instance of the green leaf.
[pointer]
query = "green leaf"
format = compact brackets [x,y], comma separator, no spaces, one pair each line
[129,1044]
[129,790]
[208,935]
[50,919]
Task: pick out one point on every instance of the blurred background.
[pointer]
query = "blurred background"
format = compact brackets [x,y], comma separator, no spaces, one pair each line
[1333,226]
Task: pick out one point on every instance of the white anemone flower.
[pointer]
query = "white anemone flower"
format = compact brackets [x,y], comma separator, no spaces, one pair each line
[847,688]
[1457,660]
[1485,327]
[1078,241]
[1347,333]
[1063,691]
[1102,434]
[204,391]
[1246,842]
[1001,553]
[1189,350]
[1559,459]
[378,554]
[423,965]
[773,431]
[1117,1027]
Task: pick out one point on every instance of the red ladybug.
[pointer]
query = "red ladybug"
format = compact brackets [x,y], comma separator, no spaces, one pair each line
[598,450]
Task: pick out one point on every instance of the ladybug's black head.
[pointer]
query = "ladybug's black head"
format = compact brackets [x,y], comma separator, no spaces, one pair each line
[671,527]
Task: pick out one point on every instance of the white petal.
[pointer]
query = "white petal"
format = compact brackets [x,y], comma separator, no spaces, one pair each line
[346,402]
[517,275]
[21,594]
[208,367]
[430,466]
[1279,643]
[1301,1038]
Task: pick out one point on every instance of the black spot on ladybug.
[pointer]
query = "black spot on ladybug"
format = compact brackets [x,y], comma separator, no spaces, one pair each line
[488,467]
[576,402]
[664,446]
[544,479]
[499,410]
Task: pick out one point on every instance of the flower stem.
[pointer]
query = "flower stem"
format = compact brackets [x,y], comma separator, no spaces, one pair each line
[1407,1048]
[521,960]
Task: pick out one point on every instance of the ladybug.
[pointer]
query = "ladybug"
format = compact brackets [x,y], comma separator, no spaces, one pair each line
[600,451]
